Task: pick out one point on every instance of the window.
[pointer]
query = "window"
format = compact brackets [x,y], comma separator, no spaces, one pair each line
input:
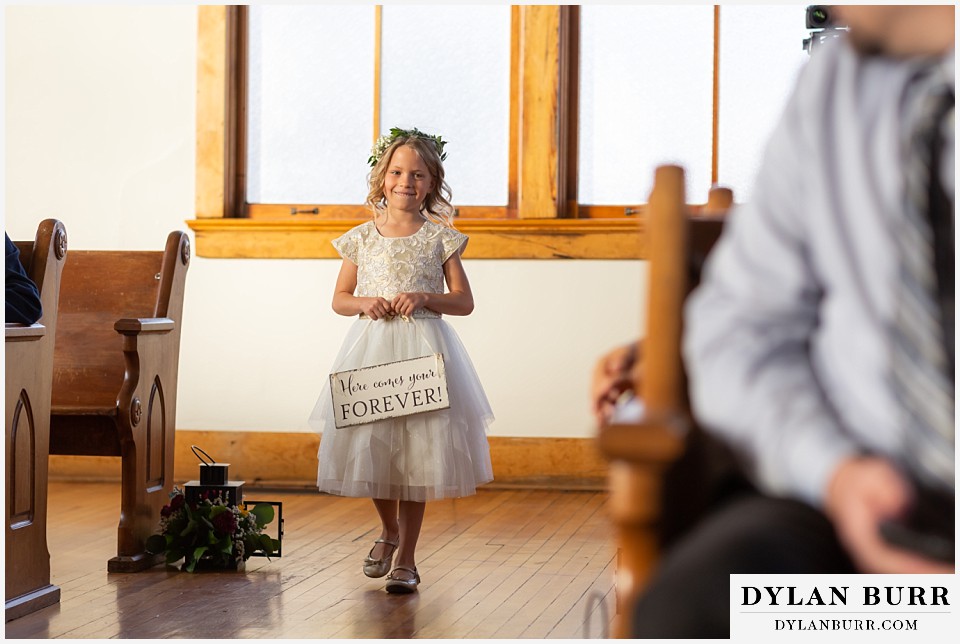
[325,81]
[557,115]
[306,99]
[753,94]
[646,98]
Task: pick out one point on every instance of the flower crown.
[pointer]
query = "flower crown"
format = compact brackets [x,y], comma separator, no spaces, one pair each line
[386,140]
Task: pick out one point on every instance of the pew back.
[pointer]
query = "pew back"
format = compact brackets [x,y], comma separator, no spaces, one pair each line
[99,288]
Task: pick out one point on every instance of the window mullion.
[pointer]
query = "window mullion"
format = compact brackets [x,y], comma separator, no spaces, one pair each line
[540,176]
[377,68]
[235,152]
[569,109]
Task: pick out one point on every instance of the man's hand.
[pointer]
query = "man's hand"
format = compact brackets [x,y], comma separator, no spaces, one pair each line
[862,493]
[613,374]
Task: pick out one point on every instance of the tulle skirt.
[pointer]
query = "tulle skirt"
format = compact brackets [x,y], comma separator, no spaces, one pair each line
[426,456]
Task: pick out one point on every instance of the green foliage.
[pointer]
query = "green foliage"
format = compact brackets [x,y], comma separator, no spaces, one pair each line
[263,512]
[212,531]
[386,140]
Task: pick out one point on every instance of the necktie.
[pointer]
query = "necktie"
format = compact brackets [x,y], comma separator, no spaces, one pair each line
[923,352]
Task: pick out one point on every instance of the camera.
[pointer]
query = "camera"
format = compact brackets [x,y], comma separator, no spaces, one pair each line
[822,20]
[819,16]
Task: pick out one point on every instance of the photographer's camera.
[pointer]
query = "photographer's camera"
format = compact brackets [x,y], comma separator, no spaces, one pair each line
[821,19]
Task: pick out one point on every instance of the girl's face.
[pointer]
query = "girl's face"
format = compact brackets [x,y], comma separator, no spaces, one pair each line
[407,182]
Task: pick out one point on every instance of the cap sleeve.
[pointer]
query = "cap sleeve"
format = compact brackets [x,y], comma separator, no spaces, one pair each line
[348,244]
[453,241]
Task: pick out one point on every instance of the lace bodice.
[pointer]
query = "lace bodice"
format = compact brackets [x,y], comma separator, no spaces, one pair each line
[387,266]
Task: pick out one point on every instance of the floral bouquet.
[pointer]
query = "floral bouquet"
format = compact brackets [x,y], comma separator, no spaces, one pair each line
[211,530]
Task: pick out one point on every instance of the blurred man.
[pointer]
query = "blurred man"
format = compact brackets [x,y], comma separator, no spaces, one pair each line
[820,343]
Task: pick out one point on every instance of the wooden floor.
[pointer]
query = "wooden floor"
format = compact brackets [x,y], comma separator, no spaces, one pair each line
[500,564]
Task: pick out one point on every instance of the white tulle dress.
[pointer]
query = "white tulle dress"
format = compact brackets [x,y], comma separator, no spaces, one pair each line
[422,457]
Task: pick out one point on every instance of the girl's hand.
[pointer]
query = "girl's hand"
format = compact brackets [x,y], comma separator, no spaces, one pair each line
[375,307]
[406,303]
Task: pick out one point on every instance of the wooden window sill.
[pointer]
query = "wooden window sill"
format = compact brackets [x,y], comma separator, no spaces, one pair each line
[489,239]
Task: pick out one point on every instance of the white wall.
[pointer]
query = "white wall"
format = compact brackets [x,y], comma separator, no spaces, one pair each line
[100,116]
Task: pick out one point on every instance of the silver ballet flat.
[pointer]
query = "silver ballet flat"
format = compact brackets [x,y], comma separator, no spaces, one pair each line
[377,568]
[397,585]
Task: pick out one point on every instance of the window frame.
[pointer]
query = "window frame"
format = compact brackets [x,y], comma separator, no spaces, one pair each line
[542,218]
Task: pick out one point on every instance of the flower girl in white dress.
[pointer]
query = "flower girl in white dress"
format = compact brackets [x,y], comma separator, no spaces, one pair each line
[392,276]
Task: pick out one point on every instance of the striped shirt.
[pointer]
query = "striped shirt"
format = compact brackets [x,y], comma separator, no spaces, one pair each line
[787,340]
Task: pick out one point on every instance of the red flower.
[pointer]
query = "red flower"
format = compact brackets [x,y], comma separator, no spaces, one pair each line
[225,523]
[165,511]
[176,503]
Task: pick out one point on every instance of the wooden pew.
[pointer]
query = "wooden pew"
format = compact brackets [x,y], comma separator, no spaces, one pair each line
[663,471]
[115,377]
[29,376]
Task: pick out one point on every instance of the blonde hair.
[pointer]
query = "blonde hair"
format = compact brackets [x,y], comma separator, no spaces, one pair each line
[436,207]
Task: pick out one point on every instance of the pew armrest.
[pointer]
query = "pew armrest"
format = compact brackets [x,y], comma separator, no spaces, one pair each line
[133,326]
[24,332]
[654,440]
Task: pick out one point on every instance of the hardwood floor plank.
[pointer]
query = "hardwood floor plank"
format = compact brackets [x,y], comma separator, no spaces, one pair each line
[587,617]
[502,563]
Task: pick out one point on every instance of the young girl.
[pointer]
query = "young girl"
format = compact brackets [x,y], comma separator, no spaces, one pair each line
[392,276]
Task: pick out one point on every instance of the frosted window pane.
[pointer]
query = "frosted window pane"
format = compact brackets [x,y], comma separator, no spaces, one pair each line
[753,95]
[646,98]
[310,116]
[446,70]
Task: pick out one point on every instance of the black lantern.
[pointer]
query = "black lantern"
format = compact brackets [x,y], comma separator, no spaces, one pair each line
[215,481]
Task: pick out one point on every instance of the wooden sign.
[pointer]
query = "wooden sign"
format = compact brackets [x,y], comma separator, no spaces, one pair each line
[389,390]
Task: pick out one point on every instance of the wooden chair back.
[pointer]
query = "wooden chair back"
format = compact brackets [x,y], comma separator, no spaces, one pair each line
[644,457]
